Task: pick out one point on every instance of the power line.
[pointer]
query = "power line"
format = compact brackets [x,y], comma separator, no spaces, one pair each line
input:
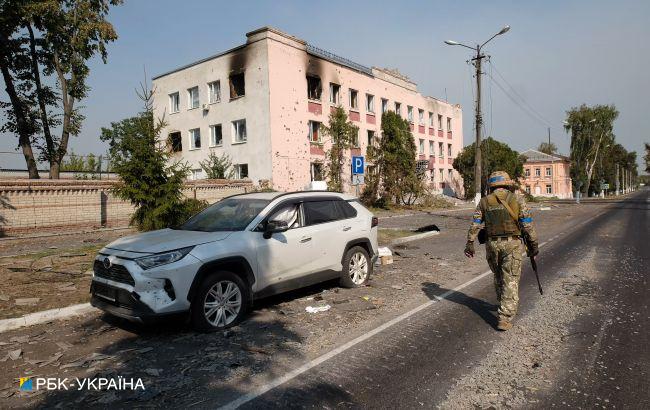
[521,99]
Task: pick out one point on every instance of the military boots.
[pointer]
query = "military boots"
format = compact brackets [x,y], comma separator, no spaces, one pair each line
[504,324]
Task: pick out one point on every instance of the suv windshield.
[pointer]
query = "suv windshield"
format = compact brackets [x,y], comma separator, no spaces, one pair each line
[232,214]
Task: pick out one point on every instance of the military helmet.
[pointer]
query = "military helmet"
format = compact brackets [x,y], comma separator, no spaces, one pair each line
[500,178]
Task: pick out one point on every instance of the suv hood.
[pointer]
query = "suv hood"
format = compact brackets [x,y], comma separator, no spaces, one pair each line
[165,240]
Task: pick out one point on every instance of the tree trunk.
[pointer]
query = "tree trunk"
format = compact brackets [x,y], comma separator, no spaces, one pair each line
[68,111]
[22,125]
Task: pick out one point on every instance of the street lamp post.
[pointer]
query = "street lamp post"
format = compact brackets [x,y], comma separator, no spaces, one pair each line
[478,57]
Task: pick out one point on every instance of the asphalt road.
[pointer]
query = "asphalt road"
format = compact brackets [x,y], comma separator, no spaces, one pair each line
[583,344]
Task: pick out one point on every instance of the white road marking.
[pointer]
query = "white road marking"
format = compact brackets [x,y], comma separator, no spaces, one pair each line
[315,362]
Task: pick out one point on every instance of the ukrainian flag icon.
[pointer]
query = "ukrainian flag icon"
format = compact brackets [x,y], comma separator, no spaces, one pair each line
[26,383]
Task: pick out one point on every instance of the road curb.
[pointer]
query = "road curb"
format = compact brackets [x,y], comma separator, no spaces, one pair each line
[405,239]
[45,316]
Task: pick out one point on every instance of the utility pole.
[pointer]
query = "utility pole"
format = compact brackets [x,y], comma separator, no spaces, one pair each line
[617,181]
[549,137]
[478,120]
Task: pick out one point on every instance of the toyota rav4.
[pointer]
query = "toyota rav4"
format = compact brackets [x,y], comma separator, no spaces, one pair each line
[240,249]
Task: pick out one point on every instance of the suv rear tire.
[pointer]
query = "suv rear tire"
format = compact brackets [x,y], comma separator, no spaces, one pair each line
[220,302]
[357,268]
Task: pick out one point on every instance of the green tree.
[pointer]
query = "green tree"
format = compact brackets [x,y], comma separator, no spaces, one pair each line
[547,148]
[218,167]
[592,130]
[647,157]
[149,180]
[495,155]
[394,161]
[342,135]
[53,39]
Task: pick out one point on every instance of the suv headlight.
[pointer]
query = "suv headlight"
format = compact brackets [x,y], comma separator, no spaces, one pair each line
[148,262]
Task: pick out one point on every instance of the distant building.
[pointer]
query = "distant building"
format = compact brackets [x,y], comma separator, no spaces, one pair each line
[263,104]
[546,175]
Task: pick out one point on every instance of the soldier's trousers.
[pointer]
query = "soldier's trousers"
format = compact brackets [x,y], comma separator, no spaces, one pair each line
[505,258]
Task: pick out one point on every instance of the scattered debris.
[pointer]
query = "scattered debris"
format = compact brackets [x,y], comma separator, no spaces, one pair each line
[316,309]
[4,298]
[427,228]
[153,372]
[72,255]
[51,360]
[15,354]
[254,349]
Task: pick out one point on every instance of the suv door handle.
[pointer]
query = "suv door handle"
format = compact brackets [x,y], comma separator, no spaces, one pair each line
[305,239]
[347,228]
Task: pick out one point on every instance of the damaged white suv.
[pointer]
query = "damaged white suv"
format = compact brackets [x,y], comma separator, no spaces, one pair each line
[242,248]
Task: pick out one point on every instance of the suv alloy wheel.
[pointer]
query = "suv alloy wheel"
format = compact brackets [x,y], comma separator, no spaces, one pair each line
[356,268]
[221,302]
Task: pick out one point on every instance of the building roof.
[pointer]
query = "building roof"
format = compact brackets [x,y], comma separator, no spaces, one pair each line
[532,155]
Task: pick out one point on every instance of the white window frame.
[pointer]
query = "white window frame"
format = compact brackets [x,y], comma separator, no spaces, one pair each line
[527,172]
[197,174]
[384,105]
[236,130]
[311,124]
[237,168]
[174,97]
[420,116]
[312,170]
[335,96]
[432,149]
[191,134]
[421,146]
[440,122]
[431,120]
[548,172]
[190,100]
[449,151]
[370,135]
[398,108]
[370,103]
[213,142]
[409,113]
[538,172]
[549,188]
[353,93]
[213,97]
[448,124]
[441,150]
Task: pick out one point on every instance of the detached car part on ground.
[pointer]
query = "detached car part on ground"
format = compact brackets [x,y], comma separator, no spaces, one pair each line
[240,249]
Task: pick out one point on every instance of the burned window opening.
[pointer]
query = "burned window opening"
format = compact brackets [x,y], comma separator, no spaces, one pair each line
[314,88]
[175,142]
[237,85]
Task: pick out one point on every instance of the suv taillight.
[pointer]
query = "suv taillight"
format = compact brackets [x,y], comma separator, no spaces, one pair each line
[375,222]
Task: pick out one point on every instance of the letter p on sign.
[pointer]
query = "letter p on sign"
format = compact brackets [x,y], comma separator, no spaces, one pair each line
[357,165]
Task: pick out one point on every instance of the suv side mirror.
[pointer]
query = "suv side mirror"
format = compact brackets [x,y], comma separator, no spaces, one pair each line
[275,227]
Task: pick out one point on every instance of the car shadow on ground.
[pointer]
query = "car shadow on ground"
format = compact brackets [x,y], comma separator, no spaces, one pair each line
[183,368]
[482,308]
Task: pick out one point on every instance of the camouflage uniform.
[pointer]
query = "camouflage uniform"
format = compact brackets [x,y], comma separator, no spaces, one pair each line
[505,253]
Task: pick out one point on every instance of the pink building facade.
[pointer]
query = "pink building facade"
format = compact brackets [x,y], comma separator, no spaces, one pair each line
[263,105]
[546,175]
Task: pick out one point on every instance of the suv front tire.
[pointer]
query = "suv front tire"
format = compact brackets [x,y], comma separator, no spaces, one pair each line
[220,302]
[357,268]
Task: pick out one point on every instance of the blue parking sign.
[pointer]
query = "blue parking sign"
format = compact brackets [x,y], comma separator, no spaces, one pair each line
[358,165]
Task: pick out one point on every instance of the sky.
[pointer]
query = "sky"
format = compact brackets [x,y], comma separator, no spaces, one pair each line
[557,55]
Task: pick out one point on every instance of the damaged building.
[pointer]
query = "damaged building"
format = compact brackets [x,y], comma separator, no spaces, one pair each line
[263,105]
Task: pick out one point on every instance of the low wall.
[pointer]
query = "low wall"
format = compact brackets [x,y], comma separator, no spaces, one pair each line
[32,205]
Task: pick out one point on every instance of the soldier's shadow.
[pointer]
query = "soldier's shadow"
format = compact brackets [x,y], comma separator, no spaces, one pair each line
[482,308]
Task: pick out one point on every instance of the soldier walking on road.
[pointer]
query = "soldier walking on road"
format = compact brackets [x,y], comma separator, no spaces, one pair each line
[504,247]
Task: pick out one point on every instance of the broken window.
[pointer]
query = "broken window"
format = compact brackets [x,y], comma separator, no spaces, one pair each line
[193,97]
[175,142]
[239,131]
[335,92]
[195,138]
[241,171]
[214,91]
[316,171]
[314,131]
[354,100]
[216,136]
[237,85]
[314,89]
[370,103]
[174,102]
[371,137]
